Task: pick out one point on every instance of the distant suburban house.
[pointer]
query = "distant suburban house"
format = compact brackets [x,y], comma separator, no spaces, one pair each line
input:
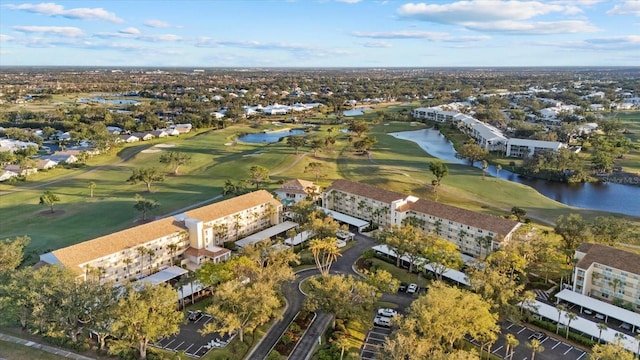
[44,164]
[296,190]
[172,132]
[183,128]
[160,133]
[114,130]
[19,170]
[129,138]
[144,136]
[7,174]
[62,157]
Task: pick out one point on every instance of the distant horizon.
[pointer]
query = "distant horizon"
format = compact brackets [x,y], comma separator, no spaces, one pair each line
[320,33]
[111,67]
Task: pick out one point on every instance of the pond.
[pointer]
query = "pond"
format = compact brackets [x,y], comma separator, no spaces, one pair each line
[110,101]
[356,111]
[269,137]
[609,197]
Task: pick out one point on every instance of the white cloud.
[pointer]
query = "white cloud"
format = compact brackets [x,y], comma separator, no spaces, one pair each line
[534,27]
[349,1]
[67,31]
[157,24]
[426,35]
[376,44]
[130,31]
[599,43]
[248,44]
[4,38]
[52,9]
[477,11]
[628,7]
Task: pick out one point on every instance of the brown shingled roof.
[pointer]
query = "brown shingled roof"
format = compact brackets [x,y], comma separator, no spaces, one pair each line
[495,224]
[74,255]
[232,206]
[369,191]
[616,258]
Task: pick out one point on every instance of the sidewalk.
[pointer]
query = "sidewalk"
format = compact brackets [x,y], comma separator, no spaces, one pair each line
[47,348]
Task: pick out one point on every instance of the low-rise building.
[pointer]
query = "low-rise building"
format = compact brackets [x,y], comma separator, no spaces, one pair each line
[476,234]
[607,273]
[521,148]
[190,238]
[296,190]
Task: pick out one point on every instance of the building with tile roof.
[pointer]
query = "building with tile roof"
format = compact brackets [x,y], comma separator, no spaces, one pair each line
[475,233]
[191,238]
[607,273]
[296,190]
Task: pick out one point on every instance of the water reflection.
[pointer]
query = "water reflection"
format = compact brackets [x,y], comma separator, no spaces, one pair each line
[610,197]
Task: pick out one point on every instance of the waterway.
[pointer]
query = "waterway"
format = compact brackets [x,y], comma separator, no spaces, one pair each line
[269,137]
[618,198]
[356,111]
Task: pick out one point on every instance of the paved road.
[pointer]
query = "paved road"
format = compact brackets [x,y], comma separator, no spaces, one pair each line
[344,265]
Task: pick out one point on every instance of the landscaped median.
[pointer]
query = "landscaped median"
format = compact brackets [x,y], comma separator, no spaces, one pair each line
[295,331]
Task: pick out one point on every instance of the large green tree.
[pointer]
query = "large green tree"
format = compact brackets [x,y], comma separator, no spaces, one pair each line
[145,314]
[12,253]
[296,142]
[473,152]
[439,171]
[147,176]
[258,174]
[144,205]
[574,231]
[49,199]
[175,159]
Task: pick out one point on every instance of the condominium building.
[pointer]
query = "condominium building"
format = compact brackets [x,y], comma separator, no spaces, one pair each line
[297,190]
[608,274]
[476,234]
[521,148]
[189,238]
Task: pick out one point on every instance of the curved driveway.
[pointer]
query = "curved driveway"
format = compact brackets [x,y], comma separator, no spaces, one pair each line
[295,299]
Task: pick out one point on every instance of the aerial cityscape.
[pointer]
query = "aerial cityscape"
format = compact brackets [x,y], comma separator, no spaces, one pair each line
[322,179]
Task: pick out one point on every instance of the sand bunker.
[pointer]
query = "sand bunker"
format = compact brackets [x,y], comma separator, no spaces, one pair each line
[150,151]
[165,145]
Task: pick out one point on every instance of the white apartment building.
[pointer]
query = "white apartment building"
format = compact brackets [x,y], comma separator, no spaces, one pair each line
[607,273]
[521,148]
[191,238]
[476,234]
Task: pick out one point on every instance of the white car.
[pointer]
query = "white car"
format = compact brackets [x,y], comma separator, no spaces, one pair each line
[382,321]
[387,312]
[412,288]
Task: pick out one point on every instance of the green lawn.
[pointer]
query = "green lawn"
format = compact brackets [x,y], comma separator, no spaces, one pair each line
[12,351]
[395,164]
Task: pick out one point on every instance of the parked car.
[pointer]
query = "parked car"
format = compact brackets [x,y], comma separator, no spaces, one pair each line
[195,315]
[626,326]
[387,312]
[382,321]
[538,335]
[402,287]
[588,311]
[412,288]
[599,316]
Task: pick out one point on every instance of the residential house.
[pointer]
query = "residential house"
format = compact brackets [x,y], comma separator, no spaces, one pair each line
[19,170]
[296,190]
[159,133]
[7,174]
[476,234]
[189,238]
[607,273]
[62,157]
[183,128]
[129,138]
[144,136]
[44,164]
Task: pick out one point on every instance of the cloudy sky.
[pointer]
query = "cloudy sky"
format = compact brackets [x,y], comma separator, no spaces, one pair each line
[320,33]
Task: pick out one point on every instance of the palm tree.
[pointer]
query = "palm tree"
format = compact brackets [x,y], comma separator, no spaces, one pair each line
[536,347]
[512,342]
[142,251]
[92,186]
[173,248]
[127,261]
[151,254]
[601,327]
[570,317]
[291,233]
[560,309]
[236,224]
[325,252]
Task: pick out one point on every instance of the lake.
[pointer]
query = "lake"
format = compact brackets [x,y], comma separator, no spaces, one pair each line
[609,197]
[269,137]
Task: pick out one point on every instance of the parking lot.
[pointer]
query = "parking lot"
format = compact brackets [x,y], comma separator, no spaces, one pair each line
[191,341]
[554,347]
[374,340]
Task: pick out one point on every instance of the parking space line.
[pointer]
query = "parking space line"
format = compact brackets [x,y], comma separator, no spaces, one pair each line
[185,350]
[566,352]
[556,345]
[543,340]
[176,348]
[197,351]
[498,349]
[169,343]
[523,329]
[580,357]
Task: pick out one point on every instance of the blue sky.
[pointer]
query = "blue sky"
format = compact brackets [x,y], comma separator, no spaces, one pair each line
[320,33]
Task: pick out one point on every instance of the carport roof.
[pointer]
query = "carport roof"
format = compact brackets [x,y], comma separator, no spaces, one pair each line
[266,234]
[583,325]
[164,275]
[600,306]
[360,224]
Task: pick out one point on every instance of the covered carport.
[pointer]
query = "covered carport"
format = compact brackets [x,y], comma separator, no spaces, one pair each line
[344,218]
[164,275]
[604,308]
[267,233]
[582,325]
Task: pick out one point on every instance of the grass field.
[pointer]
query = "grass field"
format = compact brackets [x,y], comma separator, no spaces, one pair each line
[394,164]
[631,121]
[11,351]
